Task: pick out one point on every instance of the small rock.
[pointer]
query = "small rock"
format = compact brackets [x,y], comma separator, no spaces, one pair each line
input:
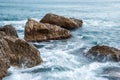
[9,30]
[68,23]
[104,53]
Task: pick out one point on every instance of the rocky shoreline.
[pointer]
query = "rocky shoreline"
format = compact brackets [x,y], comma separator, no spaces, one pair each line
[20,53]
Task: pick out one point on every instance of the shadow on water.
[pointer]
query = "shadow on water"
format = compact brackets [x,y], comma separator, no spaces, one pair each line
[38,45]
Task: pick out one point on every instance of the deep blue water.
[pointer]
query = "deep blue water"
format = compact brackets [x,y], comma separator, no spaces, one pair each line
[64,60]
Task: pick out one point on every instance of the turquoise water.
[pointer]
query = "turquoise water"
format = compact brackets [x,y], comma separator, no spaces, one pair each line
[65,59]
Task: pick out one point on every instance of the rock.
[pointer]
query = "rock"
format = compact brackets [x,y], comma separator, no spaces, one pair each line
[2,34]
[4,58]
[23,54]
[4,48]
[3,69]
[9,30]
[35,31]
[16,52]
[68,23]
[104,53]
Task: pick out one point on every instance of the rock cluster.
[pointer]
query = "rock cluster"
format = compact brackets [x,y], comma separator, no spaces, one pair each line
[15,51]
[36,31]
[19,53]
[51,27]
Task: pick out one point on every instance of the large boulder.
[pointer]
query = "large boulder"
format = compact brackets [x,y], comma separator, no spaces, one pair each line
[23,54]
[35,31]
[9,30]
[104,53]
[68,23]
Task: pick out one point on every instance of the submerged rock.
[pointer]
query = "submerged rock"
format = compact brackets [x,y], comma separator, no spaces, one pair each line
[9,30]
[35,31]
[104,53]
[112,73]
[68,23]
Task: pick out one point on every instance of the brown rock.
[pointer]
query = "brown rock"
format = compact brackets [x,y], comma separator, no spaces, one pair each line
[2,34]
[3,69]
[35,31]
[104,53]
[23,54]
[9,30]
[16,52]
[4,58]
[68,23]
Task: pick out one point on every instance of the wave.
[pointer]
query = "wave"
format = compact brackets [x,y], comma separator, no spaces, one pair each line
[85,72]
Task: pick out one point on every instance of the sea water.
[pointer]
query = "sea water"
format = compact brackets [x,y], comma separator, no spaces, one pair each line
[65,59]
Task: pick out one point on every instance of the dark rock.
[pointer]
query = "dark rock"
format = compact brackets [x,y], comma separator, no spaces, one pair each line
[104,53]
[9,30]
[35,31]
[68,23]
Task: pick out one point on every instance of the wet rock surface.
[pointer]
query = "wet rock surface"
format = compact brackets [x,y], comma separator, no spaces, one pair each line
[36,31]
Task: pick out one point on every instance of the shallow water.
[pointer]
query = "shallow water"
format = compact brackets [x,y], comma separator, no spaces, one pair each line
[65,59]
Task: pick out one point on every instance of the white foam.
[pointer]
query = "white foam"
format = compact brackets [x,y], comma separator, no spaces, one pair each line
[101,23]
[61,59]
[19,76]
